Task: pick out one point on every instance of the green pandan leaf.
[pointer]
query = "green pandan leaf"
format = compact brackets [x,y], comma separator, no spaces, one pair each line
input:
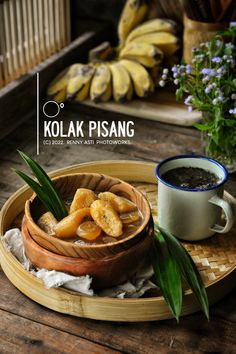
[47,185]
[188,269]
[45,189]
[167,275]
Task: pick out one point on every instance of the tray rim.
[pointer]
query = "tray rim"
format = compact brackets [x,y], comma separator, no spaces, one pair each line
[8,260]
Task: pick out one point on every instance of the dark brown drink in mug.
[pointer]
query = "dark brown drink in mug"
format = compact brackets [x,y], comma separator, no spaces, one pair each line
[190,177]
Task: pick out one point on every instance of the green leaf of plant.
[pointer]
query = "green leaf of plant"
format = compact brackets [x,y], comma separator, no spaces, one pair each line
[47,185]
[202,127]
[188,269]
[167,275]
[45,199]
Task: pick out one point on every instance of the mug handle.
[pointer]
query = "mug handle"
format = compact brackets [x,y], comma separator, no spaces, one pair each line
[228,213]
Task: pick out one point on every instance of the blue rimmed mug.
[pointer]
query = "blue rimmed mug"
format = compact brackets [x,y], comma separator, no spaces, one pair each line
[193,214]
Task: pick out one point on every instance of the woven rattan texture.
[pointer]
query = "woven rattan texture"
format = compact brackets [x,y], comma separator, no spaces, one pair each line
[214,257]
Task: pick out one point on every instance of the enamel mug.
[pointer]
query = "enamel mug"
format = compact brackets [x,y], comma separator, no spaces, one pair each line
[193,214]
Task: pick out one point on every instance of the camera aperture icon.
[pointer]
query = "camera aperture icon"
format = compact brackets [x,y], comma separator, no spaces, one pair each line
[51,109]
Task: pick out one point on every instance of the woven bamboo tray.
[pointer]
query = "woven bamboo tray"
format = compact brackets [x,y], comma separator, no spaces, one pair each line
[215,258]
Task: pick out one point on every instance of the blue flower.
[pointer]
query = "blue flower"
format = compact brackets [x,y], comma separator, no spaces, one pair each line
[213,73]
[188,69]
[216,59]
[190,108]
[221,98]
[188,99]
[206,71]
[208,89]
[174,69]
[232,24]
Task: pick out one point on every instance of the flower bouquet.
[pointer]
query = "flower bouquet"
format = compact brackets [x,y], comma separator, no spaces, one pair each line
[210,82]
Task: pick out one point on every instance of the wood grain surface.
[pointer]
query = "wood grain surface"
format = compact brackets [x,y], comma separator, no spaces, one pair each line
[152,142]
[160,107]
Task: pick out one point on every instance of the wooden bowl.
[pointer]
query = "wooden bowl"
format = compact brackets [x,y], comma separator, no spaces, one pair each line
[67,186]
[106,272]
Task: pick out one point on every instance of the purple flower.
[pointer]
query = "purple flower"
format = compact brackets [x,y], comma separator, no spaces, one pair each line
[232,24]
[188,69]
[188,99]
[216,60]
[190,108]
[213,73]
[206,71]
[232,111]
[174,69]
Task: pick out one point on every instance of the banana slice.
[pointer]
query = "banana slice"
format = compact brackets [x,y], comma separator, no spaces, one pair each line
[133,13]
[154,25]
[120,204]
[121,83]
[83,198]
[100,90]
[166,42]
[66,228]
[47,222]
[106,217]
[78,86]
[143,84]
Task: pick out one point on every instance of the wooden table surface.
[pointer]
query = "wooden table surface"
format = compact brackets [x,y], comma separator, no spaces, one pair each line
[26,327]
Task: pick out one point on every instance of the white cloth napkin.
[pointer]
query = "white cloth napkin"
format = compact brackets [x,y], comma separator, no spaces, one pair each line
[135,287]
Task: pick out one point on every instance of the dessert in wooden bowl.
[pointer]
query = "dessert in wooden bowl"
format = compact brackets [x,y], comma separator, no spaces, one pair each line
[105,272]
[113,208]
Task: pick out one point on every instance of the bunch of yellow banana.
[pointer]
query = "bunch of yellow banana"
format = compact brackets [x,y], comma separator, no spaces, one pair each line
[149,42]
[78,86]
[133,13]
[57,89]
[100,90]
[134,69]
